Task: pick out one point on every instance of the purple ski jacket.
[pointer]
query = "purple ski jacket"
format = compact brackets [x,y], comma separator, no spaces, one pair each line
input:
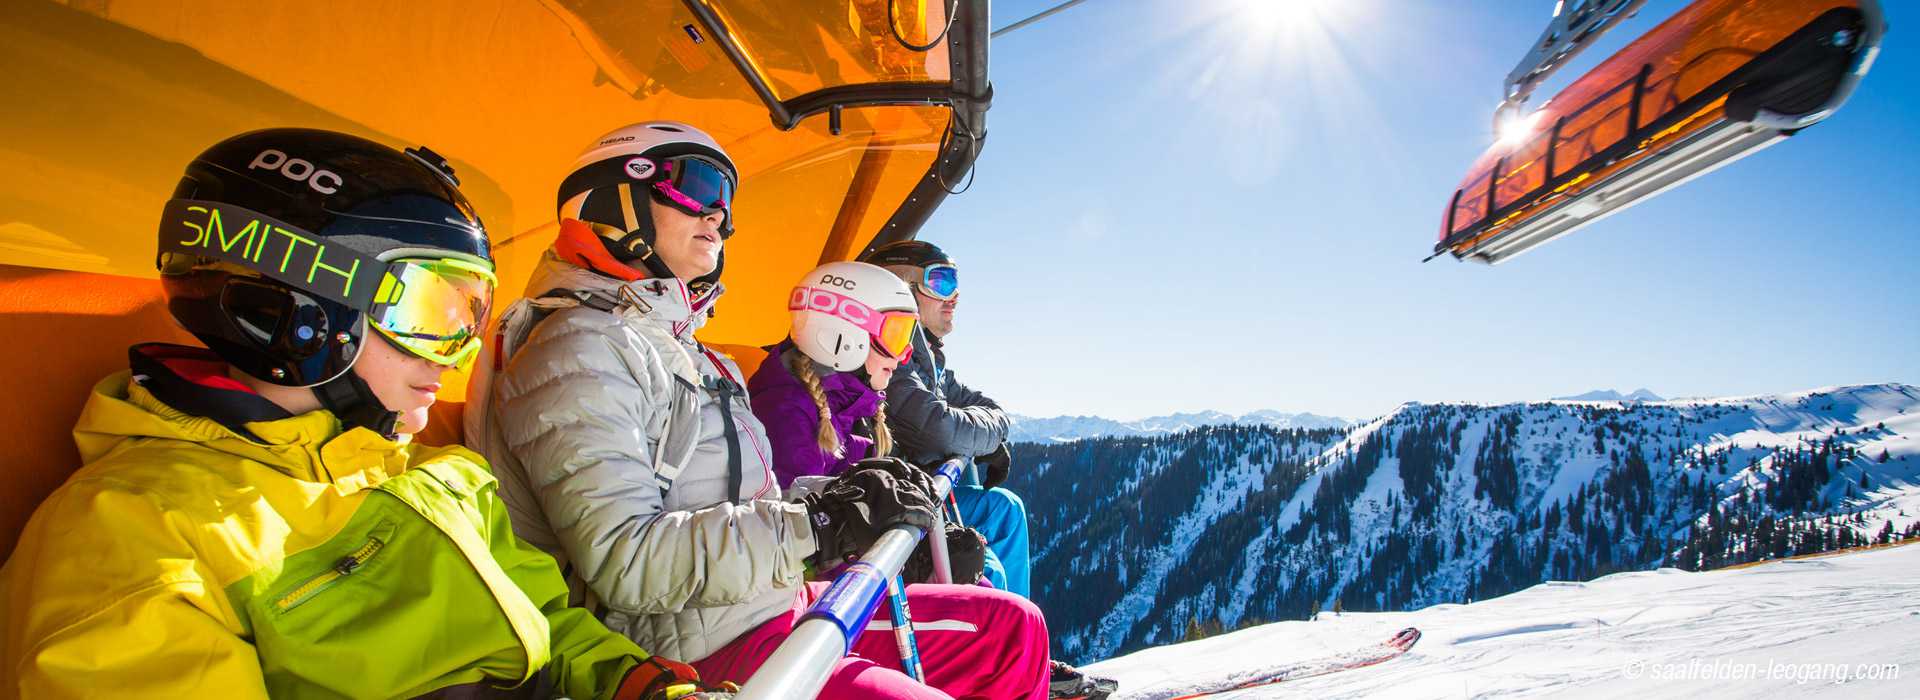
[781,403]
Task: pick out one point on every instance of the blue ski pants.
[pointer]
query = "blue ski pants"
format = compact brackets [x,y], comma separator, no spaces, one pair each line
[1001,517]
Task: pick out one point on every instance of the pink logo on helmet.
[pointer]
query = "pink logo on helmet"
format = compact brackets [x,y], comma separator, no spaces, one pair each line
[640,168]
[834,304]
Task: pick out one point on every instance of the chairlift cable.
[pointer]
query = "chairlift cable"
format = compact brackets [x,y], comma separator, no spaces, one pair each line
[1049,12]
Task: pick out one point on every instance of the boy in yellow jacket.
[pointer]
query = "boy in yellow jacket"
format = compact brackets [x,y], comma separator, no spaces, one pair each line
[250,520]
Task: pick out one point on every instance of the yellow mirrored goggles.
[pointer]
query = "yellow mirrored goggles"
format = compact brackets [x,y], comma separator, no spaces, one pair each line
[434,308]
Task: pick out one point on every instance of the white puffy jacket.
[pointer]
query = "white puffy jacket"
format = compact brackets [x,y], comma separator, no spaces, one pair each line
[605,428]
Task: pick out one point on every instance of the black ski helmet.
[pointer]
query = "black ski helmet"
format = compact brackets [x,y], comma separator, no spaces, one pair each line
[915,253]
[275,243]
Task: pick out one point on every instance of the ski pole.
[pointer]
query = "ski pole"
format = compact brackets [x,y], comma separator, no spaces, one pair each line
[937,543]
[903,629]
[824,634]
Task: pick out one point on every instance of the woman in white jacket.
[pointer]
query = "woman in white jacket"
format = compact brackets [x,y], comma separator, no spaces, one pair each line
[629,451]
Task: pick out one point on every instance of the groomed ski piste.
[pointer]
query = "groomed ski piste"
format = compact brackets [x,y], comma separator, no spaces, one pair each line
[1842,626]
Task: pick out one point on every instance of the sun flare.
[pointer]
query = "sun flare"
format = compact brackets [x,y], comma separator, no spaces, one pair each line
[1275,15]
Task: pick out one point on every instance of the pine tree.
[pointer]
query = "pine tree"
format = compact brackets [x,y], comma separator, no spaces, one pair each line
[1194,633]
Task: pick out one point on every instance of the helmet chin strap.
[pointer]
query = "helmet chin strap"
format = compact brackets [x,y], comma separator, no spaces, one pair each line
[635,218]
[353,402]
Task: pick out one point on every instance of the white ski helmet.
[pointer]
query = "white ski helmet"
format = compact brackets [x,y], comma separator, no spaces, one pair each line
[840,308]
[611,182]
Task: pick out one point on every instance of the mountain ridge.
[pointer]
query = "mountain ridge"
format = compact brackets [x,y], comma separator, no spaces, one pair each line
[1058,429]
[1641,394]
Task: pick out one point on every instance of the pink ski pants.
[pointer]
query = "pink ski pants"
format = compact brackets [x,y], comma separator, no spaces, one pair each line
[975,643]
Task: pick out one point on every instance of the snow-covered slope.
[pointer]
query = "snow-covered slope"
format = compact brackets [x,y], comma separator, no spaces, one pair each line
[1840,626]
[1069,428]
[1138,541]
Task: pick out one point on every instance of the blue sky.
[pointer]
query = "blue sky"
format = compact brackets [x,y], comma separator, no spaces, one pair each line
[1189,206]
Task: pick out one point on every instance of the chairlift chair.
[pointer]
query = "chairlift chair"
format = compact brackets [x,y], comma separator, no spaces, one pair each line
[850,121]
[1716,82]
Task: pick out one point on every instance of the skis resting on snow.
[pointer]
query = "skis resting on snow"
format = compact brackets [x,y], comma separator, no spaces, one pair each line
[1254,678]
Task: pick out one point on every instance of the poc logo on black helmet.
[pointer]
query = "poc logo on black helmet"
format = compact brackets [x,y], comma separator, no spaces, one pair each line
[297,170]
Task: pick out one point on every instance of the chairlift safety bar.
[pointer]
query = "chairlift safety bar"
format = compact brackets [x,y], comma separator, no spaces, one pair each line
[800,666]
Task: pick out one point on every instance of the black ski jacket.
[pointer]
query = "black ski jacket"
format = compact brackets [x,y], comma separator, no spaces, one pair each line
[933,419]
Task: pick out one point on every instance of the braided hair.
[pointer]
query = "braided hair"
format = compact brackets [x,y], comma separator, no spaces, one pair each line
[829,441]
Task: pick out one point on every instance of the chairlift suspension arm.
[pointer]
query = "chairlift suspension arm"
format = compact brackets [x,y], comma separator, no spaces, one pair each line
[1571,31]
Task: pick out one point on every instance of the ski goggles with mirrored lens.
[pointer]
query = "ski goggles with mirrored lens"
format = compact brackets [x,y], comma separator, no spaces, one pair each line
[434,308]
[697,187]
[940,281]
[892,331]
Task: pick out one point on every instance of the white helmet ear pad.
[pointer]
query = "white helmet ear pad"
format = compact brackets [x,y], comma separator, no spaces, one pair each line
[831,342]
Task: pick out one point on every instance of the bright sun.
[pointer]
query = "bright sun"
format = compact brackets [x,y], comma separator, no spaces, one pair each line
[1273,15]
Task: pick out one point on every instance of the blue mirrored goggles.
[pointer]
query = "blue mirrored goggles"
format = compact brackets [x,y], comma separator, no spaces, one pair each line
[697,187]
[940,281]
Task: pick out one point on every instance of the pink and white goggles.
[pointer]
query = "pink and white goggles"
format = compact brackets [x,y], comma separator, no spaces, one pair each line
[892,331]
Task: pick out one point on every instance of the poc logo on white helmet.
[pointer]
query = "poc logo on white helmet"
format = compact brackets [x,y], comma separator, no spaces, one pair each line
[297,170]
[837,281]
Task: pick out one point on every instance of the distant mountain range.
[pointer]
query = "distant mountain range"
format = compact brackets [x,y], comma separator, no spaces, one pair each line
[1611,395]
[1138,540]
[1070,428]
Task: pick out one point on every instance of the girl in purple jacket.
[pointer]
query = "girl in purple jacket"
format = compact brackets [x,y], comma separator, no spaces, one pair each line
[853,324]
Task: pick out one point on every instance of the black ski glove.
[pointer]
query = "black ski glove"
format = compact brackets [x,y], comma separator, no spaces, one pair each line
[862,504]
[966,555]
[996,464]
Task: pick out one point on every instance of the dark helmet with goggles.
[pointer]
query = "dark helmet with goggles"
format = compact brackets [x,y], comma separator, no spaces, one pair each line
[282,248]
[939,276]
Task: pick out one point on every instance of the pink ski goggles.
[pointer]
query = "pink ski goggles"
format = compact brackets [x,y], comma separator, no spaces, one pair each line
[698,187]
[892,331]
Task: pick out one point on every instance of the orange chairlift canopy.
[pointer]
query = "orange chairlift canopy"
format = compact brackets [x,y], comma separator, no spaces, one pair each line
[850,122]
[1714,83]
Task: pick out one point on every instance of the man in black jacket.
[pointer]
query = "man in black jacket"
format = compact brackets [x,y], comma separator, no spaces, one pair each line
[934,417]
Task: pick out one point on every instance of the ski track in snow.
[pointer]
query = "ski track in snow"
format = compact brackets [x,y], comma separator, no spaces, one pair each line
[1641,635]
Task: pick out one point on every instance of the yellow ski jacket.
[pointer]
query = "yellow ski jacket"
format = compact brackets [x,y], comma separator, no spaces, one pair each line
[188,560]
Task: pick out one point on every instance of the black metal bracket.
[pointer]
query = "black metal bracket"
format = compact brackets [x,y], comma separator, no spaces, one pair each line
[789,113]
[969,97]
[968,93]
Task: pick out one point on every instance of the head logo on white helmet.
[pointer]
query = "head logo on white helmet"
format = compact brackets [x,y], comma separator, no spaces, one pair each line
[841,309]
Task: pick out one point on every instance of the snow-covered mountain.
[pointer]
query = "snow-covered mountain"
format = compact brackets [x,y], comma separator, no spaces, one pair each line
[1611,395]
[1070,428]
[1138,540]
[1840,626]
